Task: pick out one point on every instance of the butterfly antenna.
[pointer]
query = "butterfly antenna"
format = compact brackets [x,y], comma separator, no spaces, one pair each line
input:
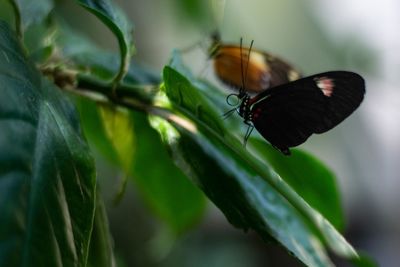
[241,66]
[244,70]
[248,60]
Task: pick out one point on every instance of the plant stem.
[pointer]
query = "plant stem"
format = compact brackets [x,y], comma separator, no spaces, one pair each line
[144,93]
[18,22]
[132,97]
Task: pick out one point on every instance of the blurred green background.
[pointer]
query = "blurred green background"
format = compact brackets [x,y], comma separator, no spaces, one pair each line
[315,36]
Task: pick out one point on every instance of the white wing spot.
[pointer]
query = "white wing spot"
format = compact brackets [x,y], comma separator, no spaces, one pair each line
[326,85]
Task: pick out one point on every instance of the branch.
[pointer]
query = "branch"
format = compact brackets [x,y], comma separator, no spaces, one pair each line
[134,97]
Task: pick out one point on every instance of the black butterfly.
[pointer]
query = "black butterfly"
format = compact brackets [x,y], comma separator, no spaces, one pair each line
[286,114]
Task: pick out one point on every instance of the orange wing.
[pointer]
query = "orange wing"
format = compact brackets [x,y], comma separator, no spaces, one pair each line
[263,70]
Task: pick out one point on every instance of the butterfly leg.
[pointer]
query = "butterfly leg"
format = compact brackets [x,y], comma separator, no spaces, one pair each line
[285,150]
[249,130]
[229,113]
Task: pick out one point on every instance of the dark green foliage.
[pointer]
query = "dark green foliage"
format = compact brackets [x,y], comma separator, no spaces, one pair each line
[46,171]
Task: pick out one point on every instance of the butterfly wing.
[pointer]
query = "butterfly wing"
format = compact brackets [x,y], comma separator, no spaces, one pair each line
[280,71]
[286,118]
[288,114]
[263,70]
[344,92]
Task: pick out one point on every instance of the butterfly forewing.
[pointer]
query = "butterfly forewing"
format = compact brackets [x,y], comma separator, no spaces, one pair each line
[261,71]
[280,71]
[347,93]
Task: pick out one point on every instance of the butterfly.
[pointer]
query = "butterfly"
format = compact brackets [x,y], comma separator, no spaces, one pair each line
[286,112]
[264,70]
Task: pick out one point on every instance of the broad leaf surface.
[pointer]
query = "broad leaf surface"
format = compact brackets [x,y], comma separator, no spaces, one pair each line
[139,152]
[197,12]
[165,187]
[101,252]
[307,176]
[47,178]
[364,261]
[93,127]
[118,127]
[169,194]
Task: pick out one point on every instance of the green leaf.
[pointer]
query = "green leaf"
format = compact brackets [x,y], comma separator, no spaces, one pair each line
[248,191]
[93,127]
[197,12]
[169,194]
[166,189]
[118,127]
[119,24]
[364,261]
[47,178]
[33,12]
[110,130]
[101,252]
[308,176]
